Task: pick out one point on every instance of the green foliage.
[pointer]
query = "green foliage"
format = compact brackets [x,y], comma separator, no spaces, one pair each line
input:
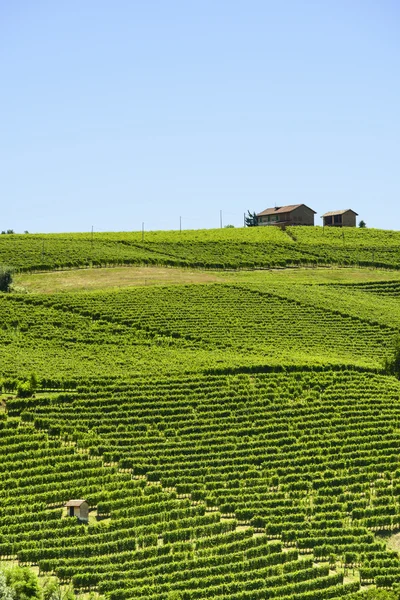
[224,461]
[21,583]
[246,247]
[33,381]
[24,389]
[6,592]
[5,278]
[392,362]
[253,449]
[52,590]
[376,594]
[250,220]
[362,224]
[24,583]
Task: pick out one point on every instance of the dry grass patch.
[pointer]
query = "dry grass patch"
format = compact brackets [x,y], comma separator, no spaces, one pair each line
[83,280]
[392,541]
[106,278]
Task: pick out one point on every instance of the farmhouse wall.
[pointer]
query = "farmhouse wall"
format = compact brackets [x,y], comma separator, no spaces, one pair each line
[349,219]
[299,214]
[302,215]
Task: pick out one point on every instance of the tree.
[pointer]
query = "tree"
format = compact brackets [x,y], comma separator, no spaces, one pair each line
[362,224]
[26,389]
[53,591]
[250,220]
[5,278]
[33,381]
[21,583]
[24,583]
[6,593]
[392,363]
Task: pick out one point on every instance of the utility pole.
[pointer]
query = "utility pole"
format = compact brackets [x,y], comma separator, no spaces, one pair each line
[43,251]
[180,223]
[143,232]
[220,218]
[244,219]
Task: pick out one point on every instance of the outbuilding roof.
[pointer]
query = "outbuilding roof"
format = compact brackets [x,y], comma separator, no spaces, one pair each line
[332,213]
[281,209]
[75,502]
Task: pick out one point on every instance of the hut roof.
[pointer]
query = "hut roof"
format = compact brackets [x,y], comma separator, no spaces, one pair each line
[332,213]
[75,502]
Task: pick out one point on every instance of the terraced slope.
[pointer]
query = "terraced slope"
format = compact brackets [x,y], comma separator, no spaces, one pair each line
[219,248]
[234,440]
[379,288]
[193,327]
[308,461]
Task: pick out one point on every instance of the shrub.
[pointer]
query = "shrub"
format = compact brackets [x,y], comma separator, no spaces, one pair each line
[6,593]
[5,278]
[24,583]
[24,390]
[392,363]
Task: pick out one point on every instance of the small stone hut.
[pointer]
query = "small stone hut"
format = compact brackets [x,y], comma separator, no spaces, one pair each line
[78,509]
[340,218]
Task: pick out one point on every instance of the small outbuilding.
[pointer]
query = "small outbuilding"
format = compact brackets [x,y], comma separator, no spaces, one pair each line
[78,509]
[340,218]
[293,214]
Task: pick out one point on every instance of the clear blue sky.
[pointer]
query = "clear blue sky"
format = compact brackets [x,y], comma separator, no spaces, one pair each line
[115,113]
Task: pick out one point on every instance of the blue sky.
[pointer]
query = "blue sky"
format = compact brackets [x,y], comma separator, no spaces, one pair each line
[118,113]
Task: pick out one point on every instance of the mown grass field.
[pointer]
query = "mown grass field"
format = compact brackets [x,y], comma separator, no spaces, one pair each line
[233,429]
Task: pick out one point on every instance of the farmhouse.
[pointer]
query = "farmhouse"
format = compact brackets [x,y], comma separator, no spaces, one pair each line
[79,509]
[293,214]
[340,218]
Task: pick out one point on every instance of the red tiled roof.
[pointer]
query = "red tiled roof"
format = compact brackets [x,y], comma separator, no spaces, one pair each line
[332,213]
[281,209]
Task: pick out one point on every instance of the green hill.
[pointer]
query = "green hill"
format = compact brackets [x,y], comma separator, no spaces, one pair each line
[234,432]
[218,248]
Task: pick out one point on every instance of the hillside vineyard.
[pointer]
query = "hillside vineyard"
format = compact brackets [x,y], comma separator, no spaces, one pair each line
[236,439]
[221,248]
